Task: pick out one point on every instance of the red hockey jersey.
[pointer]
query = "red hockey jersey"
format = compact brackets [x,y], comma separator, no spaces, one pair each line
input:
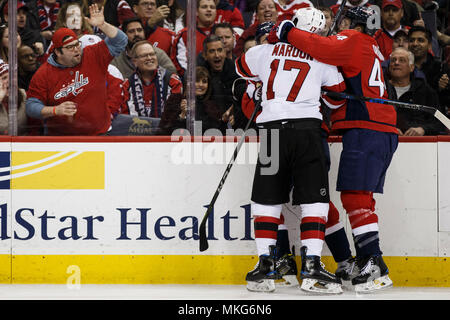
[359,58]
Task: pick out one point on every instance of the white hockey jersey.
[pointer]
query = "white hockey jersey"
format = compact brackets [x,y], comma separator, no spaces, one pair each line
[291,81]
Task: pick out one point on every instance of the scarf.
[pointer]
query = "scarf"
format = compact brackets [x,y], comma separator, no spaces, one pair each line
[136,103]
[44,17]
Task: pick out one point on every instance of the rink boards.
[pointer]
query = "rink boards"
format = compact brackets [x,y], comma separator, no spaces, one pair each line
[127,210]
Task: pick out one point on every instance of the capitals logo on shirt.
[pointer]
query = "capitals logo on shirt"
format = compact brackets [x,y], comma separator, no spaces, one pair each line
[75,87]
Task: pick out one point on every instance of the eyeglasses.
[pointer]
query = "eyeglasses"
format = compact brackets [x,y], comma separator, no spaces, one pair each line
[148,4]
[145,55]
[73,46]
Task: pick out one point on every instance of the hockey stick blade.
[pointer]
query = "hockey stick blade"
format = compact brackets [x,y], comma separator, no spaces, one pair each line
[435,112]
[203,240]
[202,230]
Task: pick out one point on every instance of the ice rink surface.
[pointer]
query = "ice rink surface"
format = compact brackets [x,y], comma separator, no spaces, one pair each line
[201,292]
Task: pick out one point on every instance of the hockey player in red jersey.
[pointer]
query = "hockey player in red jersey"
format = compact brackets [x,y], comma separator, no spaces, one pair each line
[369,132]
[292,113]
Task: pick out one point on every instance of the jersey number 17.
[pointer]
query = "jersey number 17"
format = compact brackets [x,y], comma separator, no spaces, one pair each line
[303,68]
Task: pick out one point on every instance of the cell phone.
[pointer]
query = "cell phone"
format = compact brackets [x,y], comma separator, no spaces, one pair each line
[163,3]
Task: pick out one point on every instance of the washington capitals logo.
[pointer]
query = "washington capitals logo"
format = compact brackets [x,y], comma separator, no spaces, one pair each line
[74,87]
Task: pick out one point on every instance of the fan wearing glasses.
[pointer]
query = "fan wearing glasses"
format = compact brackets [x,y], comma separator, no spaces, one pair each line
[68,91]
[151,87]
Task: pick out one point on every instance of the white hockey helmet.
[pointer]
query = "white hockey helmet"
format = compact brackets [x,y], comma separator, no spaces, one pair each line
[309,19]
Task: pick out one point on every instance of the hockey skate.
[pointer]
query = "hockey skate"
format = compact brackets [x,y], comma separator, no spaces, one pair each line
[287,269]
[262,278]
[346,271]
[373,275]
[315,278]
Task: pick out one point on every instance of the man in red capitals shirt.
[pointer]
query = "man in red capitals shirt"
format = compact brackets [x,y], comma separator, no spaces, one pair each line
[369,133]
[69,90]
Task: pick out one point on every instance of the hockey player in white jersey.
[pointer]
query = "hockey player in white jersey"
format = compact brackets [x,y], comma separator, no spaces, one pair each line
[291,88]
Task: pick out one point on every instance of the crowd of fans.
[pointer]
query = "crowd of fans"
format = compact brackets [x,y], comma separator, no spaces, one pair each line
[146,84]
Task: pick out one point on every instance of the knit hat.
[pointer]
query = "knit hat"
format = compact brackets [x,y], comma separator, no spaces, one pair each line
[4,67]
[63,36]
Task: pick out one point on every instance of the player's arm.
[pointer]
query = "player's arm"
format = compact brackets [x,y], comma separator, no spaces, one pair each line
[244,70]
[336,50]
[334,82]
[248,101]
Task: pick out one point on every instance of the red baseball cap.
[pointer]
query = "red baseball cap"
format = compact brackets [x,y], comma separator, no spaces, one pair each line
[395,3]
[63,36]
[20,4]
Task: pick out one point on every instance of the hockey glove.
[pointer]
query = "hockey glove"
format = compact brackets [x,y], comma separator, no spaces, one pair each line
[280,31]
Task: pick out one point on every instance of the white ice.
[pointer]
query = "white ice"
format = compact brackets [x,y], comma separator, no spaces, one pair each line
[200,292]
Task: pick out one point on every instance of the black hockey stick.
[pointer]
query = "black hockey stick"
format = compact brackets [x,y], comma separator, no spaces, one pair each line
[337,18]
[202,230]
[435,112]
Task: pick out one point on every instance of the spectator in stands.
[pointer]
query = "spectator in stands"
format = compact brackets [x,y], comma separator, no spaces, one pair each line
[72,16]
[249,42]
[265,11]
[27,66]
[29,35]
[329,16]
[206,15]
[391,15]
[437,77]
[287,8]
[222,75]
[47,11]
[225,32]
[403,85]
[230,14]
[115,11]
[68,90]
[114,79]
[134,30]
[158,36]
[22,120]
[411,13]
[175,19]
[148,89]
[400,39]
[152,14]
[206,109]
[4,43]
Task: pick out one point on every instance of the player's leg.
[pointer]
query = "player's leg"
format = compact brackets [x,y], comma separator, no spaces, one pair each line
[311,191]
[266,221]
[285,259]
[335,236]
[312,233]
[337,242]
[364,161]
[268,193]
